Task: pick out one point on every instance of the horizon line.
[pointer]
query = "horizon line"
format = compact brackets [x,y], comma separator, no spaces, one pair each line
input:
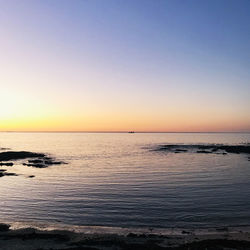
[129,131]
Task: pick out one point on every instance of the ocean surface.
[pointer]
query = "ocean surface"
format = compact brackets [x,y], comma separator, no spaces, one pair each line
[116,179]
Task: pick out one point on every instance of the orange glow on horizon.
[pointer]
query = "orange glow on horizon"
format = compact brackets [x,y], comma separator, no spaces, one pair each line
[116,70]
[121,124]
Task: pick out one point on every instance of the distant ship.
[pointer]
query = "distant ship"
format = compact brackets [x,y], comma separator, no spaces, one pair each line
[131,132]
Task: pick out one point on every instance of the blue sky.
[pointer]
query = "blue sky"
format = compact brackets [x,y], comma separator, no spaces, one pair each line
[171,62]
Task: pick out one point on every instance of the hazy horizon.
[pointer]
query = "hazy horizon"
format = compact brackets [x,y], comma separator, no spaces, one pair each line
[117,66]
[126,131]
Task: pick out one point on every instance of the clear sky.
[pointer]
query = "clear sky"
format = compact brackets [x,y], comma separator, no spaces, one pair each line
[119,65]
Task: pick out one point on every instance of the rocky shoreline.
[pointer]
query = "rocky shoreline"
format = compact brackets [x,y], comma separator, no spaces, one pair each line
[30,159]
[35,239]
[204,149]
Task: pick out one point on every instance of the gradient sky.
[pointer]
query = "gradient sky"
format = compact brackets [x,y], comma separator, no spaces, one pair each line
[119,65]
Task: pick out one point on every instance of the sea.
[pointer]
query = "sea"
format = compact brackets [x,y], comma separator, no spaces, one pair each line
[119,180]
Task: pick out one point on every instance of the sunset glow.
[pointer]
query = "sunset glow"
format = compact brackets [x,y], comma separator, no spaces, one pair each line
[124,65]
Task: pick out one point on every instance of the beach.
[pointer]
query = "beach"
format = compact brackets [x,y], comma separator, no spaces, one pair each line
[34,239]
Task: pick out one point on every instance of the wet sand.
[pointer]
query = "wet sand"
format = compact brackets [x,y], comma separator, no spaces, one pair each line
[31,238]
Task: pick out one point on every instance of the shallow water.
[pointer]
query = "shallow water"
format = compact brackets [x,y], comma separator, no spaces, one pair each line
[116,180]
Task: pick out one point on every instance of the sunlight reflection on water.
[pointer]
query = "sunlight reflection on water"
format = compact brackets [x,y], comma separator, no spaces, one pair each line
[115,180]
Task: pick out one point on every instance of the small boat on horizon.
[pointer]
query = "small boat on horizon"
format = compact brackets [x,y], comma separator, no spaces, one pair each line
[131,132]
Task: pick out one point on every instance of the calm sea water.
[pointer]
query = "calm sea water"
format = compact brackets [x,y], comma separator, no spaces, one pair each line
[115,180]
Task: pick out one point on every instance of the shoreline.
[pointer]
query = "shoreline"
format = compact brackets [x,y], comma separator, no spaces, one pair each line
[41,236]
[50,237]
[99,229]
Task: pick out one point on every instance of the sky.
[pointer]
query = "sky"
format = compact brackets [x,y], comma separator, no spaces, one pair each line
[116,65]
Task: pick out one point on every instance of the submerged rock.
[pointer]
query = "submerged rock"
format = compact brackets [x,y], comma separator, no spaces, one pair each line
[37,165]
[203,152]
[180,150]
[18,155]
[4,173]
[4,227]
[6,164]
[236,149]
[36,161]
[209,148]
[39,161]
[51,162]
[185,232]
[10,174]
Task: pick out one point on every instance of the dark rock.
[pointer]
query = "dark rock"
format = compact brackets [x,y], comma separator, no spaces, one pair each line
[213,148]
[6,164]
[10,174]
[51,162]
[18,155]
[4,227]
[4,173]
[48,162]
[37,165]
[203,152]
[35,161]
[40,235]
[132,235]
[143,235]
[222,229]
[215,244]
[236,149]
[31,176]
[46,158]
[41,161]
[208,146]
[185,232]
[180,150]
